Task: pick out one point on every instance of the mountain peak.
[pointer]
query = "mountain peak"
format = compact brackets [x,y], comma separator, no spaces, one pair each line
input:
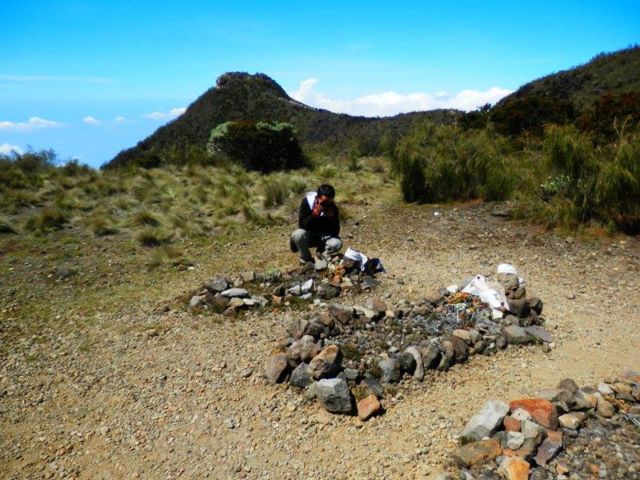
[259,80]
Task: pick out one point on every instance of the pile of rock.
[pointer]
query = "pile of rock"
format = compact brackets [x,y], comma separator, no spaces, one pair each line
[345,353]
[321,280]
[565,432]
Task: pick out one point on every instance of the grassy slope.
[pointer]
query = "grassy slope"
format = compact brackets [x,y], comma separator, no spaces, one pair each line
[53,274]
[615,72]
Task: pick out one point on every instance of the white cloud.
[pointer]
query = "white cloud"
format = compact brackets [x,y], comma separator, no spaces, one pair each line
[6,149]
[91,120]
[174,112]
[119,119]
[31,124]
[392,103]
[305,91]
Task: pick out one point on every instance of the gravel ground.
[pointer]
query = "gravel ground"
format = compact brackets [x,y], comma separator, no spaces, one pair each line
[139,392]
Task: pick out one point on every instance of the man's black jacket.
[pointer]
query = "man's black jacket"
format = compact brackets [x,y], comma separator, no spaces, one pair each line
[323,225]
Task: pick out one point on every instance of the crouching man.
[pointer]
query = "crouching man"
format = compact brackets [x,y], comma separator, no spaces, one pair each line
[319,225]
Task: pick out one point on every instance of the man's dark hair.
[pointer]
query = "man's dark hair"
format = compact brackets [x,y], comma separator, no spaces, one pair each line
[327,191]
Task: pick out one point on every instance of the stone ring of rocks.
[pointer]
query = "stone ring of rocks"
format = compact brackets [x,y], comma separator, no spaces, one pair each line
[318,281]
[350,357]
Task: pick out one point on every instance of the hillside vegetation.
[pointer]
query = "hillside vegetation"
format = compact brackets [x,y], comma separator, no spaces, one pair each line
[615,72]
[557,158]
[162,207]
[241,96]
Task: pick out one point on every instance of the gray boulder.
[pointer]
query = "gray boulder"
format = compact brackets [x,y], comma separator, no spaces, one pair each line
[516,335]
[373,385]
[300,377]
[390,368]
[414,351]
[217,284]
[334,395]
[539,334]
[235,293]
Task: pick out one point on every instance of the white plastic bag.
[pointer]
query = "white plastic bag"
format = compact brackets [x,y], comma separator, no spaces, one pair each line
[491,293]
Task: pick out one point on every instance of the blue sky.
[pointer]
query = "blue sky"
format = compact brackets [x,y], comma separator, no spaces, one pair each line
[91,78]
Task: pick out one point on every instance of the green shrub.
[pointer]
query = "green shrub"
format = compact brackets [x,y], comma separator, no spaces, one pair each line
[530,114]
[572,161]
[261,146]
[413,182]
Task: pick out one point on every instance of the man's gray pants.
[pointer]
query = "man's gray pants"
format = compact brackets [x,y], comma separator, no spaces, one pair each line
[303,240]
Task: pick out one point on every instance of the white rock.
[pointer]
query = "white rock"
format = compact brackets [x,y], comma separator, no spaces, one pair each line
[487,420]
[520,414]
[605,389]
[515,440]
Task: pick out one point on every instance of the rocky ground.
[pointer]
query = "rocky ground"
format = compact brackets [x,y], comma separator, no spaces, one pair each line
[128,385]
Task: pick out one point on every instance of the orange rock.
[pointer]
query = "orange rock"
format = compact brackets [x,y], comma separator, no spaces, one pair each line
[555,435]
[478,452]
[368,407]
[514,468]
[562,468]
[542,411]
[511,424]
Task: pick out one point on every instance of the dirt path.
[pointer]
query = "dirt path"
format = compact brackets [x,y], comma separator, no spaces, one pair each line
[145,394]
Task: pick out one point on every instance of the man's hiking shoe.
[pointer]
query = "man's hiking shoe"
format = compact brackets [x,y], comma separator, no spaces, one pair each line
[304,261]
[292,245]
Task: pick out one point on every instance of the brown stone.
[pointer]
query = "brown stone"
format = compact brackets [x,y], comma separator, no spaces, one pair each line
[368,407]
[632,377]
[568,384]
[327,320]
[276,366]
[549,448]
[326,363]
[572,420]
[376,305]
[511,424]
[605,408]
[460,347]
[478,452]
[562,467]
[435,298]
[514,468]
[541,410]
[342,313]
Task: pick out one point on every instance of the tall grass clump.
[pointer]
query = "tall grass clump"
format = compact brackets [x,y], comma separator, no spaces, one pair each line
[152,237]
[6,227]
[276,190]
[101,224]
[47,219]
[144,218]
[618,186]
[442,164]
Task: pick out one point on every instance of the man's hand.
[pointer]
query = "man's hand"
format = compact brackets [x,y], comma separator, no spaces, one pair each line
[317,209]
